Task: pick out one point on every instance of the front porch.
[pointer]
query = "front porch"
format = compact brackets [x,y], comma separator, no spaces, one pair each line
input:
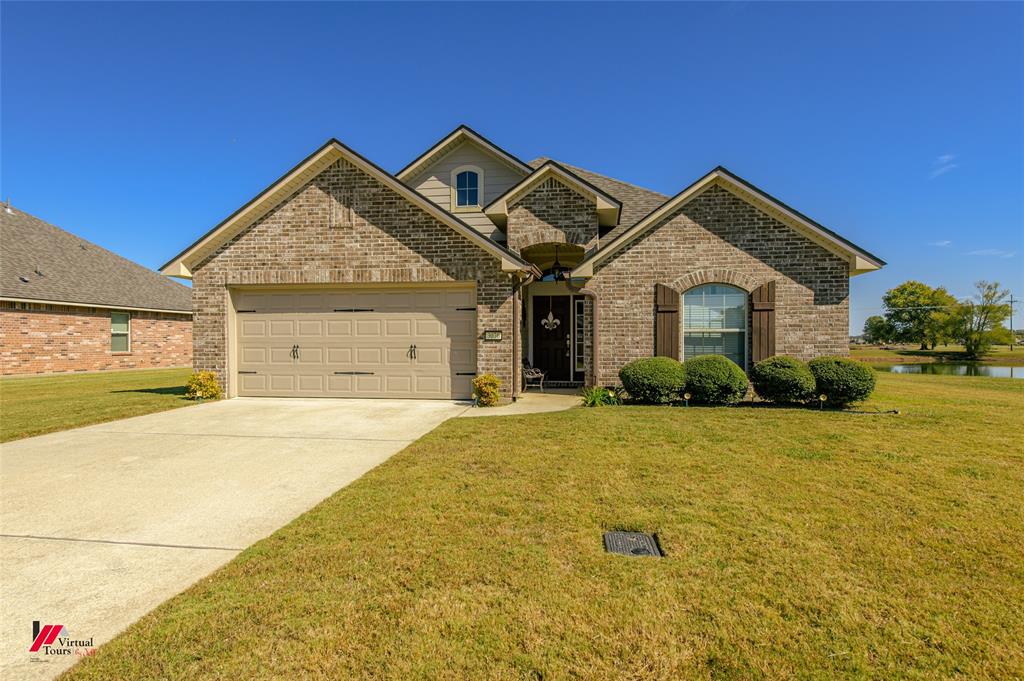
[557,321]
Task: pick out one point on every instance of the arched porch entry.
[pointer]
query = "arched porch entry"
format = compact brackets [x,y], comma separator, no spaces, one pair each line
[557,318]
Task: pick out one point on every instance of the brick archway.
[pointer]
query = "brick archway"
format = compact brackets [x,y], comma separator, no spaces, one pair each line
[715,275]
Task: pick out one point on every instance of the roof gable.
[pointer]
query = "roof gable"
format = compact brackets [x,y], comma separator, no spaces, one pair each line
[860,260]
[297,177]
[456,137]
[42,262]
[608,207]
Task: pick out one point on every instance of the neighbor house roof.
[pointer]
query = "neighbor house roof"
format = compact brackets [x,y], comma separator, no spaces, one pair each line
[40,262]
[859,259]
[181,264]
[608,207]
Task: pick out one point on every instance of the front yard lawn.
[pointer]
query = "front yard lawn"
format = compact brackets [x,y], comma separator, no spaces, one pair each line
[33,406]
[799,543]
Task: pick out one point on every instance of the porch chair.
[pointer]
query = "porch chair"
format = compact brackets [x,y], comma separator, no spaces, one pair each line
[532,374]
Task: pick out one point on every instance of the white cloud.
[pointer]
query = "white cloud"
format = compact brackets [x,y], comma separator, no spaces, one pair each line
[942,244]
[993,252]
[942,165]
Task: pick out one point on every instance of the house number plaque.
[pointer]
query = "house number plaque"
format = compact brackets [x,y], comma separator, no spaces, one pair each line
[492,335]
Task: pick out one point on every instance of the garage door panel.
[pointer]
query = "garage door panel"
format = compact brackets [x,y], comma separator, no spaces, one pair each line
[281,382]
[398,384]
[253,328]
[428,300]
[462,358]
[311,383]
[369,384]
[311,355]
[310,328]
[280,355]
[397,356]
[369,356]
[432,356]
[374,341]
[339,356]
[253,355]
[339,328]
[460,298]
[430,384]
[429,328]
[465,328]
[398,327]
[282,327]
[339,385]
[252,383]
[369,327]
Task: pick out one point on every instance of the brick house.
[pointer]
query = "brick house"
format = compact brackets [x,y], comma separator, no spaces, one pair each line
[342,279]
[68,305]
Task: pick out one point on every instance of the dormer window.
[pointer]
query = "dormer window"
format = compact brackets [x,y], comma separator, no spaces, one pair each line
[467,188]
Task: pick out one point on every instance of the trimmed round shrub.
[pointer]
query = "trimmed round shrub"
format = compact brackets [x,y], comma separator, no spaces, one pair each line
[487,390]
[715,379]
[842,381]
[782,379]
[202,385]
[653,380]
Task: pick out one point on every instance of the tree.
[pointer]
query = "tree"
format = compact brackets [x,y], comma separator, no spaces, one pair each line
[877,330]
[908,312]
[941,324]
[979,321]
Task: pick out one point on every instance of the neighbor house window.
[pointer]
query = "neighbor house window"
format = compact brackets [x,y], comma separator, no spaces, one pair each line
[715,322]
[120,328]
[467,187]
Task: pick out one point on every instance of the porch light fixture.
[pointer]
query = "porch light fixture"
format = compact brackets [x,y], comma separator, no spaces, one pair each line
[558,269]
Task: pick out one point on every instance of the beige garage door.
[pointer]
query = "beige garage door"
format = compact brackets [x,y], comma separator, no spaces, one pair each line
[412,342]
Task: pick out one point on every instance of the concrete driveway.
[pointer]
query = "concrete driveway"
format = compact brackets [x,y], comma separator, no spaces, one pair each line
[99,525]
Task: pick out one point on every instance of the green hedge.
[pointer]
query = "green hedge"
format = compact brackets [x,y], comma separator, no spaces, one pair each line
[842,381]
[715,379]
[782,379]
[653,380]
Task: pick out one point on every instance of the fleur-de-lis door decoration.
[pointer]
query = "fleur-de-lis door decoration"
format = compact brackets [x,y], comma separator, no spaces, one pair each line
[549,322]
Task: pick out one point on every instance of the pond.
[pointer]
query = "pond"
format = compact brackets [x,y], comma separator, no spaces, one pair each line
[954,369]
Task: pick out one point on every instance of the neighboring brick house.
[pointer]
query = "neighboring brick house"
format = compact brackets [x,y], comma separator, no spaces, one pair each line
[68,305]
[344,280]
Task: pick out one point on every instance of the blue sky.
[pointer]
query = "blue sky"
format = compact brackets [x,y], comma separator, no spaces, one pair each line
[901,126]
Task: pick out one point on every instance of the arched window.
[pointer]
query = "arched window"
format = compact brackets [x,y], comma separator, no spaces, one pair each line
[467,188]
[715,322]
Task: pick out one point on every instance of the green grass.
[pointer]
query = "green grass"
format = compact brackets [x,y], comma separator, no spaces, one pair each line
[800,543]
[33,406]
[911,354]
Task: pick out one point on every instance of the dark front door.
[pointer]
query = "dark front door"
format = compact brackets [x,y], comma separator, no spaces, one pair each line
[551,327]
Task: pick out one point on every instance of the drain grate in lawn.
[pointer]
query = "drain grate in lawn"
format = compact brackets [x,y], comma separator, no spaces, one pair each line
[632,544]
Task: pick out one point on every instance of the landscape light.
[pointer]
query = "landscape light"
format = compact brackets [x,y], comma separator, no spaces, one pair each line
[821,401]
[686,398]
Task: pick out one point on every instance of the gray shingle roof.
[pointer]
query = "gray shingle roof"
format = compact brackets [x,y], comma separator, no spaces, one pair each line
[637,202]
[74,270]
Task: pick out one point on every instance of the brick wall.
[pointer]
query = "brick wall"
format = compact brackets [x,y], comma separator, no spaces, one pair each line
[344,226]
[719,238]
[38,339]
[551,213]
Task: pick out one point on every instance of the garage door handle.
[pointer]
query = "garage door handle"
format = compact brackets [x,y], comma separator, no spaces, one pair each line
[465,373]
[247,372]
[353,373]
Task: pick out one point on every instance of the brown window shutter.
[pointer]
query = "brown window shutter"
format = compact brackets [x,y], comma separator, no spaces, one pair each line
[666,322]
[762,322]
